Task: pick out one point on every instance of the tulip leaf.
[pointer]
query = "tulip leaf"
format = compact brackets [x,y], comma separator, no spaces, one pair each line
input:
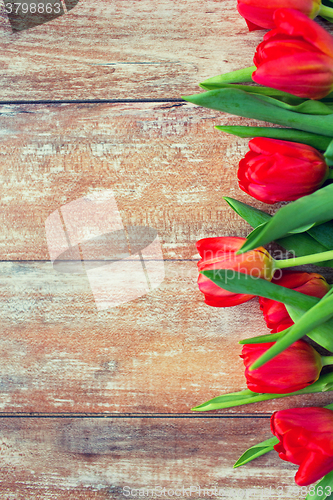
[238,76]
[244,283]
[310,320]
[323,384]
[323,489]
[256,451]
[285,134]
[309,106]
[253,216]
[247,105]
[316,207]
[235,282]
[321,335]
[259,228]
[272,95]
[301,244]
[323,233]
[329,154]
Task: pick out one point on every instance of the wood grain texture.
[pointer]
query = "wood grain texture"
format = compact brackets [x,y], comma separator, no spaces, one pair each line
[124,49]
[168,169]
[166,164]
[67,459]
[163,352]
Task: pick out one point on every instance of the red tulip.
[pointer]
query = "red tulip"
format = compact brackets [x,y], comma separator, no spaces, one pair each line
[293,369]
[220,253]
[259,13]
[306,439]
[275,313]
[296,57]
[275,170]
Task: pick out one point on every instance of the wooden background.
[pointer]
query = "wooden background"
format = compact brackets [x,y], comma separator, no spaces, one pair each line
[93,401]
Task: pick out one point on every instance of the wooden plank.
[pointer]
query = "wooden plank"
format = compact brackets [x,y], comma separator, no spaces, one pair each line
[124,49]
[47,459]
[166,165]
[164,352]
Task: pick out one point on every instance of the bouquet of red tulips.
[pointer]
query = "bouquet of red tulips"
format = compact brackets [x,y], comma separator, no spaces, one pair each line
[291,85]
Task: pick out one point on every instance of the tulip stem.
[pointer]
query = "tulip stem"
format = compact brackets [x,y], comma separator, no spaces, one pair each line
[306,259]
[326,11]
[327,360]
[330,174]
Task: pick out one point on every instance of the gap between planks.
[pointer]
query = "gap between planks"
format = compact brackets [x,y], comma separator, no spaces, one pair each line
[92,101]
[133,415]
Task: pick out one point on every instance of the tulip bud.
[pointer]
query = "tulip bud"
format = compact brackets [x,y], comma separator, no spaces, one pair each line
[306,439]
[220,253]
[296,57]
[295,368]
[275,170]
[275,313]
[260,12]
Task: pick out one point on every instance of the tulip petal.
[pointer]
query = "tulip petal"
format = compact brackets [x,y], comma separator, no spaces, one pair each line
[311,74]
[294,23]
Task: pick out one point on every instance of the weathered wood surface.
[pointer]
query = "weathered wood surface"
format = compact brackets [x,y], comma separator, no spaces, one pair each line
[166,165]
[163,352]
[118,458]
[124,49]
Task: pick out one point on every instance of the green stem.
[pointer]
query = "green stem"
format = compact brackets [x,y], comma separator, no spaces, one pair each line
[261,339]
[326,11]
[243,75]
[330,174]
[327,360]
[306,259]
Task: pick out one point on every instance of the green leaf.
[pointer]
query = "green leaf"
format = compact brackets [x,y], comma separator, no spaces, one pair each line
[329,154]
[256,451]
[323,233]
[310,320]
[271,95]
[315,207]
[302,244]
[244,283]
[323,384]
[235,282]
[253,216]
[323,489]
[285,134]
[320,334]
[309,106]
[238,76]
[238,102]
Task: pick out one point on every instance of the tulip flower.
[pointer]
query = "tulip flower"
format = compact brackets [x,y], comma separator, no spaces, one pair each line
[259,13]
[295,368]
[296,57]
[306,439]
[275,170]
[220,253]
[275,313]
